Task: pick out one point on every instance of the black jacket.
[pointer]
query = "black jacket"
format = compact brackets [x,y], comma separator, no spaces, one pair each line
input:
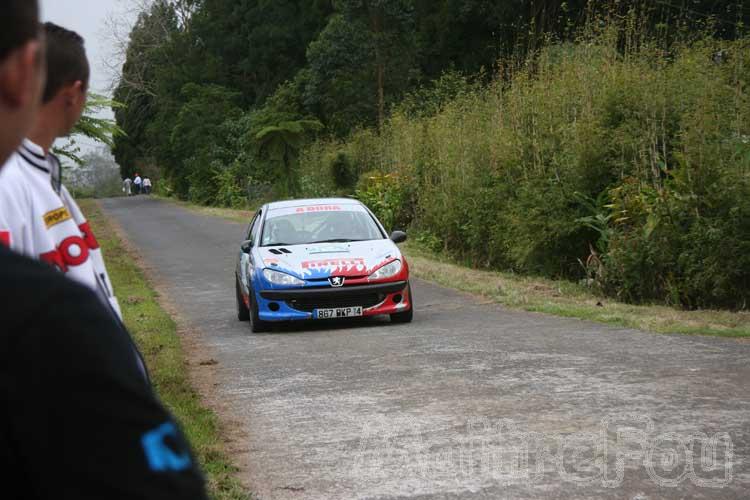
[78,416]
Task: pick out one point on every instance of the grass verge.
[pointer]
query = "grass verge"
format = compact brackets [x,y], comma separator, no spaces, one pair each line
[156,335]
[559,298]
[565,298]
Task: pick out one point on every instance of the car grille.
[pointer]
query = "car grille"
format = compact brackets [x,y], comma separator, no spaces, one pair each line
[308,304]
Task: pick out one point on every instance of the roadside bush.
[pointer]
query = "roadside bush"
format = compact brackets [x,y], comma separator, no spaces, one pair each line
[389,196]
[617,158]
[342,171]
[316,180]
[231,184]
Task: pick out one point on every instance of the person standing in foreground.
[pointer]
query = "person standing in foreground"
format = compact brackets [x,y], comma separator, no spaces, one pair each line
[126,186]
[21,73]
[35,208]
[79,418]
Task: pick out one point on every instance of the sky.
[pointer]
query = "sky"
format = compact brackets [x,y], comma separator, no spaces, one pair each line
[89,18]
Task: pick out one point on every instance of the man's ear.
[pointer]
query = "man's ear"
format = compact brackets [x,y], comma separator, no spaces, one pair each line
[75,94]
[19,73]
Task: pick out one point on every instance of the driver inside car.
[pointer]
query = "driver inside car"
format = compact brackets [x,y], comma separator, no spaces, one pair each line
[332,226]
[281,231]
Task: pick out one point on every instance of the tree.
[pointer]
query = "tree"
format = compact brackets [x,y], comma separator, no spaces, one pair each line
[138,88]
[181,54]
[260,43]
[339,85]
[362,62]
[282,143]
[390,24]
[202,78]
[197,134]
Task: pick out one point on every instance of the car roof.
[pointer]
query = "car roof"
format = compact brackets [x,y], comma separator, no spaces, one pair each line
[311,202]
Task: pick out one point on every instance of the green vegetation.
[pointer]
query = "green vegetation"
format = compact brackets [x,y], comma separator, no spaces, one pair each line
[202,78]
[156,335]
[628,170]
[564,298]
[606,143]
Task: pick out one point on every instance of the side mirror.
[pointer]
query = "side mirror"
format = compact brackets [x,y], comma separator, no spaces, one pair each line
[398,236]
[246,246]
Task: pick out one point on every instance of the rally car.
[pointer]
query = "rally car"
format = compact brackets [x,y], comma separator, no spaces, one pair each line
[320,259]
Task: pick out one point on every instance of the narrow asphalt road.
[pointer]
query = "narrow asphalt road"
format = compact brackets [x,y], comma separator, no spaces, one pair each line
[471,400]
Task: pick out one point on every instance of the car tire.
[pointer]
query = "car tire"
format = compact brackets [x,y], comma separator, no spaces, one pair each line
[257,325]
[406,316]
[243,313]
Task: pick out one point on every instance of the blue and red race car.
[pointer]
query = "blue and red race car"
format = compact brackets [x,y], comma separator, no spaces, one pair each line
[320,259]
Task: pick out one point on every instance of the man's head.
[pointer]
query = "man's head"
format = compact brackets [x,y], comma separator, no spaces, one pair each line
[21,71]
[67,79]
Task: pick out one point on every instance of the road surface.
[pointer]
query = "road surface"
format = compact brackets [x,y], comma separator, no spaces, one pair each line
[471,400]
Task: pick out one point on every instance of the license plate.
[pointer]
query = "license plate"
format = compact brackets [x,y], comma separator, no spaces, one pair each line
[339,312]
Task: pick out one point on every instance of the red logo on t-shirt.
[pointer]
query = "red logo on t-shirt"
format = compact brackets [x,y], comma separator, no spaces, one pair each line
[88,236]
[5,238]
[73,251]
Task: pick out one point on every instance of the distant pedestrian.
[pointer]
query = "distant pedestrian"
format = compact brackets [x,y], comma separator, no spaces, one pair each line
[146,185]
[138,183]
[126,186]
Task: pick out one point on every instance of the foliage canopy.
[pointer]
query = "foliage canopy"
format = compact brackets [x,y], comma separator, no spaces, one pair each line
[604,141]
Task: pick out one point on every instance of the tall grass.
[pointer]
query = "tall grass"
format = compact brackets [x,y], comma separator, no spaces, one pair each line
[617,158]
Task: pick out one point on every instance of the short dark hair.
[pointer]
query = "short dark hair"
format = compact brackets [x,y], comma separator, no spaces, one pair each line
[66,60]
[19,23]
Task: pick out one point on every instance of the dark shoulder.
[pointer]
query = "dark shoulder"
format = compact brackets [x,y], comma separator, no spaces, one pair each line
[43,310]
[25,282]
[33,293]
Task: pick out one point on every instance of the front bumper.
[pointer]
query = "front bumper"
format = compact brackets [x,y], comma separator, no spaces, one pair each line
[299,303]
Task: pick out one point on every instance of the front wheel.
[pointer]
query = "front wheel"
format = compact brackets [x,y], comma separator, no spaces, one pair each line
[406,316]
[243,313]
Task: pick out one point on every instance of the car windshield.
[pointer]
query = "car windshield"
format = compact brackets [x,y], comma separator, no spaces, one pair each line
[319,224]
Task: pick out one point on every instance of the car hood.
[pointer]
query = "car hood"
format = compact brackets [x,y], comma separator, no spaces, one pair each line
[322,260]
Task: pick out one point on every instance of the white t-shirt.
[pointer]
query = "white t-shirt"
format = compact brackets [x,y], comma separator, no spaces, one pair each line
[38,222]
[137,180]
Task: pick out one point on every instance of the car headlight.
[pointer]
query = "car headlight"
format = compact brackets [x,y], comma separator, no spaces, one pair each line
[283,279]
[387,271]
